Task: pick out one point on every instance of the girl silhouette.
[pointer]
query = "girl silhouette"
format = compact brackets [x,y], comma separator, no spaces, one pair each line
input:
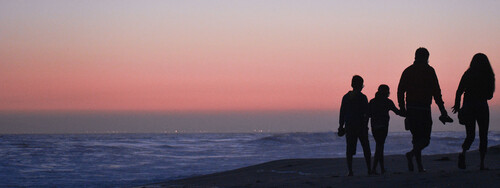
[379,108]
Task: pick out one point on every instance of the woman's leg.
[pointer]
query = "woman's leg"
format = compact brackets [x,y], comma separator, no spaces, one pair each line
[483,123]
[470,130]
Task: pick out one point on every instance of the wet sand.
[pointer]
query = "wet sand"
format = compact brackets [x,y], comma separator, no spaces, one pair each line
[442,171]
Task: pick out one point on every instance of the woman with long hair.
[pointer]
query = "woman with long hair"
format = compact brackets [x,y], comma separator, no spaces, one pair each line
[478,84]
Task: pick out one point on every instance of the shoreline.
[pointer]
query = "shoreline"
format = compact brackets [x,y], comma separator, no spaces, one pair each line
[441,169]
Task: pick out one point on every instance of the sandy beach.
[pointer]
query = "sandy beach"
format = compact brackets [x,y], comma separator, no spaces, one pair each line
[441,169]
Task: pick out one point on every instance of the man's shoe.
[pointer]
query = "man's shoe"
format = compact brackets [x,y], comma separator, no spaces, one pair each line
[461,161]
[409,157]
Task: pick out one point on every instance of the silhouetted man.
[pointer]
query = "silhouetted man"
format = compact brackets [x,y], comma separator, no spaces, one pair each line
[419,82]
[354,115]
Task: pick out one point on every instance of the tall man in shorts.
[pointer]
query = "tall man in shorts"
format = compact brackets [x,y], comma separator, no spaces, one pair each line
[420,84]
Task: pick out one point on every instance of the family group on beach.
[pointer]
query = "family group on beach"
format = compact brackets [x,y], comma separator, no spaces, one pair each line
[417,86]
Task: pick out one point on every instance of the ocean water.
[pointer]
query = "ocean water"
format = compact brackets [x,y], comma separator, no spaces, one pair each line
[118,160]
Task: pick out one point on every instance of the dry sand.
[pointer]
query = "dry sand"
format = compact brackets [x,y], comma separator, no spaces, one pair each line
[442,171]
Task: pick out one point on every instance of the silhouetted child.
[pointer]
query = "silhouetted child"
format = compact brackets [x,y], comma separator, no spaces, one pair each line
[379,108]
[354,115]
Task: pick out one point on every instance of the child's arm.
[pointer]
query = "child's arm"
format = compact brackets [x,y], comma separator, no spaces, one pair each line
[342,113]
[367,110]
[370,109]
[341,129]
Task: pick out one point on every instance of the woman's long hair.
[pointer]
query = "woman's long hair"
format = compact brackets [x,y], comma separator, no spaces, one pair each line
[482,74]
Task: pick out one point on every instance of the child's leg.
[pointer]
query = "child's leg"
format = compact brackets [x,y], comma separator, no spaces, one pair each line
[363,139]
[376,137]
[380,148]
[351,142]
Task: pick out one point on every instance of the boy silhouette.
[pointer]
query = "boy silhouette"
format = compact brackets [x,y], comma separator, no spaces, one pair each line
[354,115]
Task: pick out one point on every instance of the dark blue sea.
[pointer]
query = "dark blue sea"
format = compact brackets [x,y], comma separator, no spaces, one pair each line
[124,160]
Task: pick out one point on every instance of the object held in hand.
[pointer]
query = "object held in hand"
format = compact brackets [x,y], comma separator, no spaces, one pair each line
[445,119]
[341,132]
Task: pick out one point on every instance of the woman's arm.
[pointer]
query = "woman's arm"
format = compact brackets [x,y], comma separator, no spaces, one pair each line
[460,91]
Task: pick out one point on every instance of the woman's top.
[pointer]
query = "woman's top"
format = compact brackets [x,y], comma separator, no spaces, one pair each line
[477,88]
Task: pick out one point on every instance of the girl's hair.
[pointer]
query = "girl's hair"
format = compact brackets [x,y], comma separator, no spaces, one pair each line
[481,72]
[383,91]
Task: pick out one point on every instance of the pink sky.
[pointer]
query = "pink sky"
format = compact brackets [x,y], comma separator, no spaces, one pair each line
[226,55]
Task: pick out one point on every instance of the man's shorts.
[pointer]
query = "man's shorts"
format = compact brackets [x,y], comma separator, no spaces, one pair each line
[420,124]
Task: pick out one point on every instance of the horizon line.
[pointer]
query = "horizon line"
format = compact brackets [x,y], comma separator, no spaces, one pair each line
[200,111]
[191,111]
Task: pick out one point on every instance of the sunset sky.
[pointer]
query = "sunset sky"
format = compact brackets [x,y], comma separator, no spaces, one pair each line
[229,55]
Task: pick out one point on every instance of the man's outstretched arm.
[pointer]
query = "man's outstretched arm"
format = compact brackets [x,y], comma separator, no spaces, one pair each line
[437,95]
[444,118]
[458,94]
